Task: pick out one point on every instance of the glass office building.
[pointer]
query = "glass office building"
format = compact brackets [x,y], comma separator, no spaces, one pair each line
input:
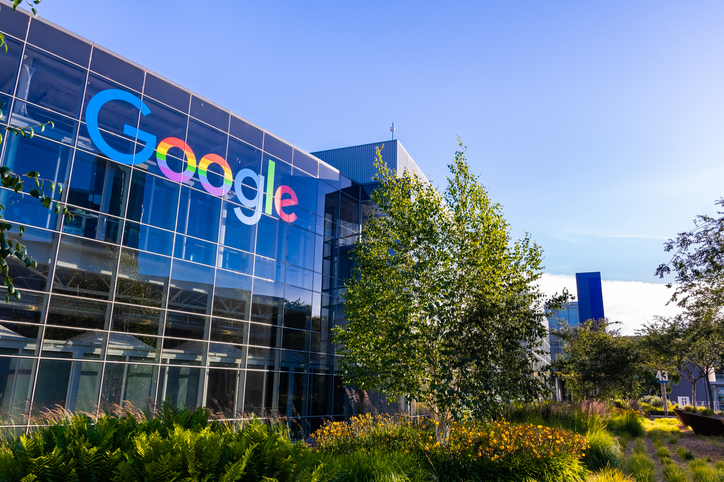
[203,260]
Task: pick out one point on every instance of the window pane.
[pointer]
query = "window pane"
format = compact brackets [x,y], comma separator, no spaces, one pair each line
[195,250]
[134,319]
[234,233]
[78,313]
[297,308]
[301,248]
[271,237]
[143,278]
[191,286]
[50,159]
[69,343]
[292,394]
[29,309]
[51,83]
[224,392]
[225,355]
[295,340]
[128,386]
[263,358]
[54,387]
[9,62]
[269,269]
[85,268]
[98,184]
[111,66]
[232,297]
[167,93]
[19,339]
[41,246]
[28,115]
[164,122]
[264,335]
[181,325]
[16,385]
[320,395]
[259,393]
[181,386]
[234,260]
[229,331]
[93,226]
[153,200]
[183,352]
[133,348]
[60,43]
[147,238]
[267,302]
[199,215]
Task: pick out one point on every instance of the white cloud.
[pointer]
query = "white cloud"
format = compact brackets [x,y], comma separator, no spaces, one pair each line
[631,302]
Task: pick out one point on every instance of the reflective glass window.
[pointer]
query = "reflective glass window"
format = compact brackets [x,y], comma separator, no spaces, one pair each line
[229,331]
[235,260]
[246,132]
[225,355]
[320,394]
[327,202]
[143,278]
[50,159]
[16,386]
[167,93]
[269,269]
[204,141]
[329,175]
[321,342]
[263,358]
[271,237]
[128,386]
[122,144]
[153,200]
[13,23]
[259,393]
[267,302]
[292,394]
[182,386]
[232,295]
[70,343]
[111,66]
[297,308]
[28,115]
[136,319]
[305,186]
[305,162]
[299,277]
[264,335]
[78,313]
[198,214]
[182,325]
[192,249]
[295,339]
[147,238]
[294,361]
[98,184]
[50,82]
[9,62]
[19,339]
[191,286]
[234,233]
[28,309]
[282,177]
[5,101]
[91,225]
[25,209]
[224,392]
[133,348]
[41,246]
[301,247]
[60,43]
[85,268]
[277,148]
[183,352]
[243,156]
[209,113]
[115,114]
[54,388]
[349,213]
[321,363]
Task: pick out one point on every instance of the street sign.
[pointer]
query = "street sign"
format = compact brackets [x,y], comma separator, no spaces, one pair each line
[662,376]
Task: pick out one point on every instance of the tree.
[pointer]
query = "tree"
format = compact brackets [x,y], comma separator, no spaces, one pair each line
[600,363]
[442,306]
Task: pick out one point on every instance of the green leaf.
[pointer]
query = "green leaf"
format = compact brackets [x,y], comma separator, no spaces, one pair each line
[33,174]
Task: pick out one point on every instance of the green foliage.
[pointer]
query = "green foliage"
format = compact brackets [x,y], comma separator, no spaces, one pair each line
[375,465]
[599,362]
[705,472]
[641,467]
[442,305]
[609,474]
[627,423]
[674,473]
[653,400]
[684,453]
[581,417]
[603,450]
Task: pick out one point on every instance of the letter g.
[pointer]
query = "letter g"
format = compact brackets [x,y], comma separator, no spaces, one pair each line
[91,118]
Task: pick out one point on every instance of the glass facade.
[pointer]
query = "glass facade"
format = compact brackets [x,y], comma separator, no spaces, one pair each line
[204,260]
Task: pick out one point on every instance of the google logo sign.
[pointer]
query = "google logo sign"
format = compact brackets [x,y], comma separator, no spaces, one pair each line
[282,198]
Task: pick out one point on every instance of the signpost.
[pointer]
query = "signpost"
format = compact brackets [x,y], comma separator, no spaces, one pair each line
[663,378]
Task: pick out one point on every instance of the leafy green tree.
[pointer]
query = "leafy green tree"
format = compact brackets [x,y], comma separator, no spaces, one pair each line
[442,305]
[600,363]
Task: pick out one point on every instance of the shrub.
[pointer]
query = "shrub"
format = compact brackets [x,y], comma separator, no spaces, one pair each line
[627,422]
[707,412]
[641,467]
[685,454]
[652,400]
[603,450]
[663,453]
[674,473]
[374,466]
[703,472]
[609,474]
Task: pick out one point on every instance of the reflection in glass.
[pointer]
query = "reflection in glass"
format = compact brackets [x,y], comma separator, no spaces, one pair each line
[271,237]
[297,308]
[264,335]
[16,386]
[267,302]
[128,386]
[85,268]
[69,343]
[191,286]
[41,244]
[71,385]
[98,184]
[260,392]
[147,238]
[143,278]
[292,396]
[134,319]
[224,388]
[183,352]
[29,309]
[198,214]
[182,325]
[94,226]
[232,297]
[263,358]
[235,260]
[153,200]
[320,395]
[49,158]
[78,313]
[181,386]
[192,249]
[234,233]
[229,331]
[19,339]
[133,348]
[300,251]
[9,62]
[29,115]
[224,355]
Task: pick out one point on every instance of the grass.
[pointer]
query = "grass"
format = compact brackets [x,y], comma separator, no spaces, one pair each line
[641,467]
[663,453]
[704,472]
[603,450]
[627,423]
[674,473]
[685,454]
[610,474]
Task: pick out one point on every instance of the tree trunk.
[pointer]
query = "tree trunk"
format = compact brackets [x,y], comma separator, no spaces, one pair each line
[708,392]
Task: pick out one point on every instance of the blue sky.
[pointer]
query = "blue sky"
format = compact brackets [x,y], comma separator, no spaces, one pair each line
[597,125]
